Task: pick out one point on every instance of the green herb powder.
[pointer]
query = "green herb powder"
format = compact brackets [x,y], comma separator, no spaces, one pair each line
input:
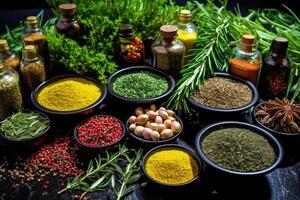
[140,85]
[22,126]
[238,149]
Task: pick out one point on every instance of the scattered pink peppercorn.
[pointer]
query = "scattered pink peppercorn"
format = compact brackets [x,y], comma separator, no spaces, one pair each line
[100,131]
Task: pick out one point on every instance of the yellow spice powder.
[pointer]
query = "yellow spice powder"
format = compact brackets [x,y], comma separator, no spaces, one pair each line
[171,166]
[69,94]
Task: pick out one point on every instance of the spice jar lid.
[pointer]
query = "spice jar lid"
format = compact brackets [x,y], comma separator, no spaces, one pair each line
[125,29]
[168,31]
[30,52]
[1,67]
[4,46]
[280,46]
[32,21]
[248,43]
[67,8]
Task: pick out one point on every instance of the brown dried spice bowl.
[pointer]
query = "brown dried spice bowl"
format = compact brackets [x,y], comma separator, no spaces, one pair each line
[225,112]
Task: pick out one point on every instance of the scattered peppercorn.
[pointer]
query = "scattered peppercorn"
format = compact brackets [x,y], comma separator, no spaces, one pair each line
[100,131]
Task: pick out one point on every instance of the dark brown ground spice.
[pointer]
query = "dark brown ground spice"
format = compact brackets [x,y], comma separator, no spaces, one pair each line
[224,93]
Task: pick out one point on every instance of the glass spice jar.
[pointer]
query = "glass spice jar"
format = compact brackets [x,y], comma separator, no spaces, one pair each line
[67,24]
[129,48]
[10,92]
[275,71]
[34,35]
[187,32]
[169,51]
[9,58]
[32,67]
[246,60]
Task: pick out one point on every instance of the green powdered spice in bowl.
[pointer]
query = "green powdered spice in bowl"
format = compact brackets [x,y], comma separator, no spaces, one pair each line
[140,85]
[238,148]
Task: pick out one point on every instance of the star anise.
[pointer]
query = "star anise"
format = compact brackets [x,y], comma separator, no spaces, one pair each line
[280,115]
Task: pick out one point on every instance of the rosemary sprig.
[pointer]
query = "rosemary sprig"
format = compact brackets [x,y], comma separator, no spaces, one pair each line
[128,177]
[211,54]
[97,169]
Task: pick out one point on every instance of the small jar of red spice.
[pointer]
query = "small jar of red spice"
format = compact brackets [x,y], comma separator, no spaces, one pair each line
[100,131]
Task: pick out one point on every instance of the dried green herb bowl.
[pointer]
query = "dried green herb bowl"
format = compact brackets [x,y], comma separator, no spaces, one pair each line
[274,143]
[225,112]
[35,141]
[132,101]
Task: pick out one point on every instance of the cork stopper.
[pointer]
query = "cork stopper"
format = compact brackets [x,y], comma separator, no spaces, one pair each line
[280,46]
[32,22]
[30,52]
[67,8]
[248,43]
[125,30]
[4,46]
[168,31]
[185,16]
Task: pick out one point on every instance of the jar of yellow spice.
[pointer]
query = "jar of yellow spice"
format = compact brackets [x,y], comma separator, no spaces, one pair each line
[187,32]
[171,165]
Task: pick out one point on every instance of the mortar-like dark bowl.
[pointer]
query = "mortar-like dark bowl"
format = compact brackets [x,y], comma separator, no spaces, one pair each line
[132,101]
[84,111]
[235,124]
[223,112]
[173,146]
[35,141]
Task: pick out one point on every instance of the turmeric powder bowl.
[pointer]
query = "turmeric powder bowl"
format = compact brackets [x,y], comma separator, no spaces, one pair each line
[68,95]
[172,165]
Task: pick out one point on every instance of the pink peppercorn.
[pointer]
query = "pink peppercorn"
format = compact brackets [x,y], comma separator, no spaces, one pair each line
[100,131]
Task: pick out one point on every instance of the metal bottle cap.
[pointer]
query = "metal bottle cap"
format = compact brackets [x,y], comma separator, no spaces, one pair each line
[185,16]
[4,46]
[32,22]
[30,52]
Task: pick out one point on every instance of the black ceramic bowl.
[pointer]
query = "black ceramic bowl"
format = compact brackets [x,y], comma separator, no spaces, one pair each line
[87,110]
[36,141]
[92,148]
[234,124]
[152,143]
[276,133]
[172,146]
[254,100]
[129,70]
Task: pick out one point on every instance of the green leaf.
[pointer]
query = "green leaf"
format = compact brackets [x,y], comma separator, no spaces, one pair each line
[97,182]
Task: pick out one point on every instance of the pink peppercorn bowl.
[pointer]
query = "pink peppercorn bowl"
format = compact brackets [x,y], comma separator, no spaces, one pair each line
[98,147]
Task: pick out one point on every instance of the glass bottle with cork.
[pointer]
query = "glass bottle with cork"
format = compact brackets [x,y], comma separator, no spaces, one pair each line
[32,67]
[169,51]
[9,58]
[67,24]
[10,92]
[187,32]
[34,35]
[129,48]
[246,60]
[275,71]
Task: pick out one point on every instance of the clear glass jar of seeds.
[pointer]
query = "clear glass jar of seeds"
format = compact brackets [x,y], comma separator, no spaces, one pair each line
[9,58]
[32,67]
[10,93]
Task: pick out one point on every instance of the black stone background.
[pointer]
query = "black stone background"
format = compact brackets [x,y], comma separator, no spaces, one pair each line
[282,184]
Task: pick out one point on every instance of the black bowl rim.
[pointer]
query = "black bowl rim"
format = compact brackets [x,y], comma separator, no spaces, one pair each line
[186,149]
[262,132]
[240,109]
[60,77]
[168,77]
[29,139]
[267,128]
[98,147]
[160,141]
